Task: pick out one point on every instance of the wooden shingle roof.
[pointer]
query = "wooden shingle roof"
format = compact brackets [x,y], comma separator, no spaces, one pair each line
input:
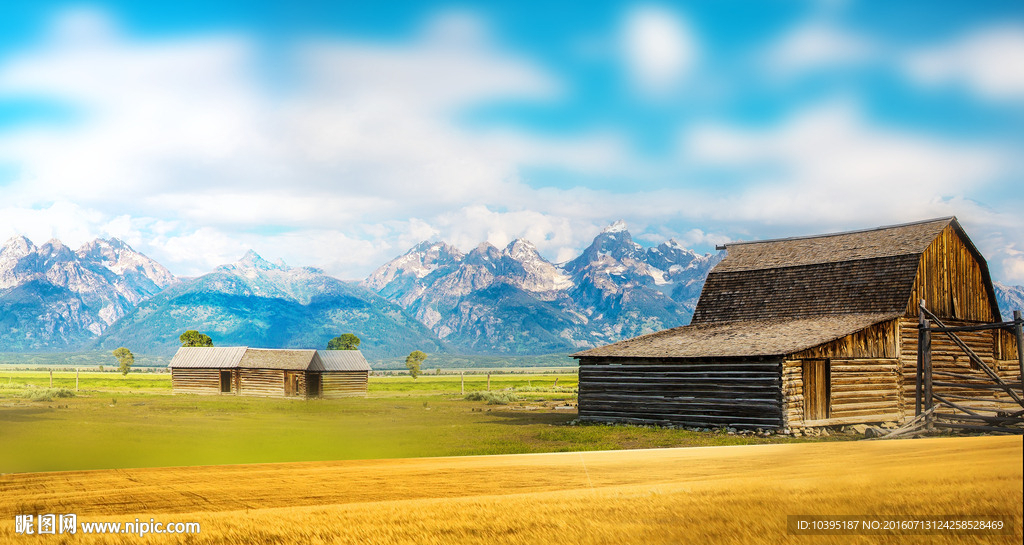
[766,337]
[857,272]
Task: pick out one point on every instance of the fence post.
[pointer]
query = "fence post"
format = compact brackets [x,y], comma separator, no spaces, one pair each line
[920,360]
[76,379]
[463,374]
[1018,326]
[488,381]
[51,379]
[926,365]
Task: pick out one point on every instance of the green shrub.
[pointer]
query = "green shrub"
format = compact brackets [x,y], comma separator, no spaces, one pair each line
[493,398]
[45,394]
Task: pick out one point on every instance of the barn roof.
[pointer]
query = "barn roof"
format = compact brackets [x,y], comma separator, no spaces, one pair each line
[858,272]
[765,337]
[269,358]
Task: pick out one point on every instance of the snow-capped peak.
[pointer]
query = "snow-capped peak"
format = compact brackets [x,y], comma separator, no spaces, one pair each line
[617,227]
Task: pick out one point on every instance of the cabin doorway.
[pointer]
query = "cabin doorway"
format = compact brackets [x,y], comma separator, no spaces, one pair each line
[817,387]
[313,385]
[291,383]
[225,382]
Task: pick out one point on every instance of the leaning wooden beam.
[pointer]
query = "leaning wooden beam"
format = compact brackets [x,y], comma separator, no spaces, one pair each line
[955,405]
[914,425]
[1016,431]
[976,359]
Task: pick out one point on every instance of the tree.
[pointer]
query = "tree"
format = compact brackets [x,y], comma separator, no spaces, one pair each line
[413,361]
[195,338]
[125,359]
[346,341]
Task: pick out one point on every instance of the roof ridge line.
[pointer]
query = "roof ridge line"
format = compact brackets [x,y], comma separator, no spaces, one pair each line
[841,233]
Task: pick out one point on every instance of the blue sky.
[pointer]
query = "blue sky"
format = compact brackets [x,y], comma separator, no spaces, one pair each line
[339,134]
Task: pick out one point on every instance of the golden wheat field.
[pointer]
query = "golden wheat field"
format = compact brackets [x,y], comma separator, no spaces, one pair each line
[694,495]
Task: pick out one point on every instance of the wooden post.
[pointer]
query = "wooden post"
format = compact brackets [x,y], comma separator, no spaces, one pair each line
[926,364]
[556,382]
[919,392]
[51,379]
[463,374]
[1018,326]
[76,379]
[488,381]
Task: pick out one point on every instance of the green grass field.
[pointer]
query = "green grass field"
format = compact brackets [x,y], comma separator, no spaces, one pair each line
[117,421]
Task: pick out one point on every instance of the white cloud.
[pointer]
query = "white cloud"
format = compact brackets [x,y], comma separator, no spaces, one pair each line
[987,61]
[817,45]
[659,49]
[828,165]
[180,148]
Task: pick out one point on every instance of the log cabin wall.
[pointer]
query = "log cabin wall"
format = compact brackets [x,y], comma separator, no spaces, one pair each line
[742,393]
[951,281]
[261,382]
[859,391]
[195,381]
[863,379]
[990,346]
[343,384]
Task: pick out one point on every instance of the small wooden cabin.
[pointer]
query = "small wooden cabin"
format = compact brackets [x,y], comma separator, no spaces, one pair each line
[809,331]
[263,372]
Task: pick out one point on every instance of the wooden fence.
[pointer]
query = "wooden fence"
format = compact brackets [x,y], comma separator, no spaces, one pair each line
[972,398]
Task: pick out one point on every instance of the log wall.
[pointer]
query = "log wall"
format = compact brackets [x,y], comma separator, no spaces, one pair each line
[950,280]
[861,391]
[195,381]
[343,384]
[741,393]
[948,357]
[263,383]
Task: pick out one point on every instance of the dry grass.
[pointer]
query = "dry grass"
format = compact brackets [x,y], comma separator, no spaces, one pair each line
[717,494]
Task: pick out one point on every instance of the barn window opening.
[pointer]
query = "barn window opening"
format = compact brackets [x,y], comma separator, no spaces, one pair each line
[225,382]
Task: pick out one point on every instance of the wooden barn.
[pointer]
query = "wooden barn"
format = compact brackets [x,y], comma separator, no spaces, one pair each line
[806,332]
[269,372]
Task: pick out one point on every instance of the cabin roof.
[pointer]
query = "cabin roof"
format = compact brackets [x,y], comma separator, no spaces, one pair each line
[269,358]
[341,360]
[762,337]
[204,357]
[241,357]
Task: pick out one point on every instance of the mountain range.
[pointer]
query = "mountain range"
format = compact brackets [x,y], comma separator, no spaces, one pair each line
[496,301]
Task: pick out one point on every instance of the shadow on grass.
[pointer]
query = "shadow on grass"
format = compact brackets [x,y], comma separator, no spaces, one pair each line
[528,418]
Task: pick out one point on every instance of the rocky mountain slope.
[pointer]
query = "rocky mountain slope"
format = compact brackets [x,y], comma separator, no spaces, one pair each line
[514,301]
[257,303]
[1009,298]
[52,297]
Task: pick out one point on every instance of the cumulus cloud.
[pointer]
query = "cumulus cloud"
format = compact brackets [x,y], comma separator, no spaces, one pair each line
[817,44]
[987,61]
[179,144]
[829,164]
[659,49]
